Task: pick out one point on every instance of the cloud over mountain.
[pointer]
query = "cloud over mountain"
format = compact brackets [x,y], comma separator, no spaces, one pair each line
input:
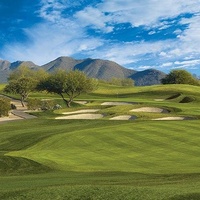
[133,33]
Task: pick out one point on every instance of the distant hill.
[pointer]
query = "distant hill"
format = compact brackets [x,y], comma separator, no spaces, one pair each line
[96,68]
[148,77]
[6,67]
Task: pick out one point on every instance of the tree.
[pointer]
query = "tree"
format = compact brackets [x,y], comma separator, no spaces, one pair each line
[22,86]
[23,81]
[72,84]
[180,77]
[4,106]
[127,82]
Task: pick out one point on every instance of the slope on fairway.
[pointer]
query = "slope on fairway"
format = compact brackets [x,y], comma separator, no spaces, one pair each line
[20,166]
[145,147]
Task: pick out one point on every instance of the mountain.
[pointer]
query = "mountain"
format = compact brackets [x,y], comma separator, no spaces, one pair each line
[148,77]
[6,67]
[95,68]
[17,64]
[66,63]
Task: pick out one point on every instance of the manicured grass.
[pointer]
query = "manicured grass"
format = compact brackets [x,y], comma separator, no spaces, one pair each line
[142,159]
[147,147]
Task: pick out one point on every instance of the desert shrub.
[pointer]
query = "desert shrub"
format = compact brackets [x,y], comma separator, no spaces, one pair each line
[4,106]
[37,104]
[47,104]
[13,106]
[34,104]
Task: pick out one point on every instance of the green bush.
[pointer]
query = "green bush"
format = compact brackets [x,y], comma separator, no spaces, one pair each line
[47,104]
[121,82]
[34,104]
[37,104]
[4,106]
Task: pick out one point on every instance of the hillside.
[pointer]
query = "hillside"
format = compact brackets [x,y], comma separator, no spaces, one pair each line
[95,68]
[148,77]
[6,67]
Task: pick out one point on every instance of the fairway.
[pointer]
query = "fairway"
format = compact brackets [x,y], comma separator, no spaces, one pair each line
[147,147]
[48,158]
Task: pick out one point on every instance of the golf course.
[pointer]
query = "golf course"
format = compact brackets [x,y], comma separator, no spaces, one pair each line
[116,143]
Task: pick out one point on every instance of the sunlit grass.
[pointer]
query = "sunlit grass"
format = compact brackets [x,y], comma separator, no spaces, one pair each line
[103,159]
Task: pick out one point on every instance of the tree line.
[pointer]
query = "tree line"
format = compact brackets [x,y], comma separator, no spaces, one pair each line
[69,85]
[23,81]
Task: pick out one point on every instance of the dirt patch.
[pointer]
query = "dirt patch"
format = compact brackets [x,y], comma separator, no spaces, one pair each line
[81,111]
[82,116]
[150,109]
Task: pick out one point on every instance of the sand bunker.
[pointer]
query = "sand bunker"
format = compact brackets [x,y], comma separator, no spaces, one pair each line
[81,111]
[123,117]
[82,116]
[174,118]
[81,102]
[158,99]
[150,109]
[115,103]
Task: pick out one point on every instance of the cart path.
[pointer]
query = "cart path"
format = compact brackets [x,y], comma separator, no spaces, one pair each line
[18,113]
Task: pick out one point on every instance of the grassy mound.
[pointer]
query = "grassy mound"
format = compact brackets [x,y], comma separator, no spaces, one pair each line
[19,166]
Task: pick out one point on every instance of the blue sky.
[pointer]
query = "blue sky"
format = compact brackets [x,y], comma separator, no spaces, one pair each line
[137,34]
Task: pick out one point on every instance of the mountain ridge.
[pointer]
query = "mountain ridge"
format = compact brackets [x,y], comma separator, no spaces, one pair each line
[95,68]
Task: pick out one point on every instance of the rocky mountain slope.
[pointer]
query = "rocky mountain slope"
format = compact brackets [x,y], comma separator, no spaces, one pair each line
[96,68]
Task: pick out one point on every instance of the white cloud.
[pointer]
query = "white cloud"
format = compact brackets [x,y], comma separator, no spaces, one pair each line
[66,35]
[93,17]
[144,67]
[49,43]
[147,12]
[168,64]
[188,62]
[151,32]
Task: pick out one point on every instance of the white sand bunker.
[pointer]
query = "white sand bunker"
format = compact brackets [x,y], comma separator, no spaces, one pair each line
[123,117]
[158,99]
[115,103]
[82,116]
[174,118]
[81,102]
[81,111]
[150,109]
